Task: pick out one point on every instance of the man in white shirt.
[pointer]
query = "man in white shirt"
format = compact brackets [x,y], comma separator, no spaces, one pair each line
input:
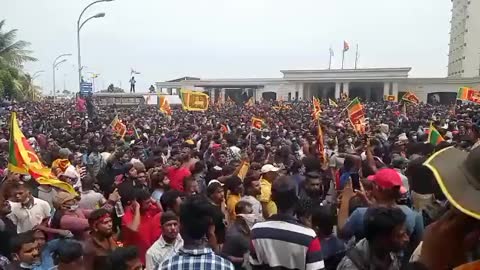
[169,243]
[28,212]
[252,189]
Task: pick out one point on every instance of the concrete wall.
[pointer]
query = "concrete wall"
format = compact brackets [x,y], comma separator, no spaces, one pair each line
[282,90]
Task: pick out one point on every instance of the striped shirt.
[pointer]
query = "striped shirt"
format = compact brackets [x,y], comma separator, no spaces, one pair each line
[283,243]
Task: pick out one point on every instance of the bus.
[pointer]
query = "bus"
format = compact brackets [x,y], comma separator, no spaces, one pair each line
[132,99]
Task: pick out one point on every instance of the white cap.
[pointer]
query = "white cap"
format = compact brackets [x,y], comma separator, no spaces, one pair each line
[215,181]
[269,168]
[402,137]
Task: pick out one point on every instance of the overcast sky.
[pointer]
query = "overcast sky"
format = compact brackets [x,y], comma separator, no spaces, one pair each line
[167,39]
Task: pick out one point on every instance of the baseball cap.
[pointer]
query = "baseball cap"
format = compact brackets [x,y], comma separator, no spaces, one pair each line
[269,168]
[388,178]
[61,198]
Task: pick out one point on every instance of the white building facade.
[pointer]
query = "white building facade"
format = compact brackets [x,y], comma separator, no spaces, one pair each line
[369,84]
[464,52]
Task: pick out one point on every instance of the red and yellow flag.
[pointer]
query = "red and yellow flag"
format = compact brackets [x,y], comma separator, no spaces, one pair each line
[258,123]
[411,97]
[23,159]
[391,98]
[118,126]
[317,109]
[356,115]
[194,100]
[164,106]
[320,144]
[468,94]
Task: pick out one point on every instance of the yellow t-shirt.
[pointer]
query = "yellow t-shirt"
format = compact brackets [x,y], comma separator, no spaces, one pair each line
[232,200]
[266,197]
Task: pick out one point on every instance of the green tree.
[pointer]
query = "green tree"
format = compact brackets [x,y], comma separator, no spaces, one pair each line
[13,54]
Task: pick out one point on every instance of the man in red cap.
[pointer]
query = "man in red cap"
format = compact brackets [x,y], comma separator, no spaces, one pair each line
[387,189]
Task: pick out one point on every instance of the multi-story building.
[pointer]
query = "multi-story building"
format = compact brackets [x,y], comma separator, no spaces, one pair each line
[464,52]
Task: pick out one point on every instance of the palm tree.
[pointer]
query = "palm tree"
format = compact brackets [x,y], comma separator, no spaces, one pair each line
[28,89]
[13,52]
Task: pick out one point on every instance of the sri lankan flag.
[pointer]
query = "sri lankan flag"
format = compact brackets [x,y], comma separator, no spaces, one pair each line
[194,101]
[469,94]
[118,126]
[332,103]
[23,159]
[164,106]
[258,123]
[462,93]
[434,136]
[411,97]
[320,144]
[317,109]
[356,115]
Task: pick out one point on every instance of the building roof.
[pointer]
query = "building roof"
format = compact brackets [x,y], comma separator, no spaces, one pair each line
[186,78]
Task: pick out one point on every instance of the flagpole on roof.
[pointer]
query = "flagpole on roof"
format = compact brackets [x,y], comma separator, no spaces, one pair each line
[330,58]
[356,57]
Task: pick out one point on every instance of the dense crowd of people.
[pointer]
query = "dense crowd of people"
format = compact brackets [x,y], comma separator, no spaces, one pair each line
[205,190]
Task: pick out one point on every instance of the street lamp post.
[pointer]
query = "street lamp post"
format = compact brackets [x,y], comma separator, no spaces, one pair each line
[79,26]
[54,66]
[34,75]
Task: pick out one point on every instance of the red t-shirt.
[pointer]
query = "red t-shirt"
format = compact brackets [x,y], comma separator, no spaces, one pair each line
[176,177]
[145,236]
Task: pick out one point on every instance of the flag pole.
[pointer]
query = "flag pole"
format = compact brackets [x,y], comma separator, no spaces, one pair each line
[343,56]
[356,57]
[330,58]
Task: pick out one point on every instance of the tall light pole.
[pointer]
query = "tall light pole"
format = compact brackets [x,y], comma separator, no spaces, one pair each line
[79,26]
[54,66]
[34,75]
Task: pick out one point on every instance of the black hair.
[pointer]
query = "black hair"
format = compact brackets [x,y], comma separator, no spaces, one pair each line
[212,188]
[196,215]
[323,217]
[241,206]
[167,216]
[88,182]
[311,163]
[381,221]
[21,239]
[232,183]
[304,208]
[354,203]
[96,214]
[169,199]
[68,251]
[142,195]
[198,167]
[188,180]
[284,193]
[120,256]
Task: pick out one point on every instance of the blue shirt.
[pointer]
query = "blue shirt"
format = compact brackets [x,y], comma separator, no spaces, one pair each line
[344,177]
[354,225]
